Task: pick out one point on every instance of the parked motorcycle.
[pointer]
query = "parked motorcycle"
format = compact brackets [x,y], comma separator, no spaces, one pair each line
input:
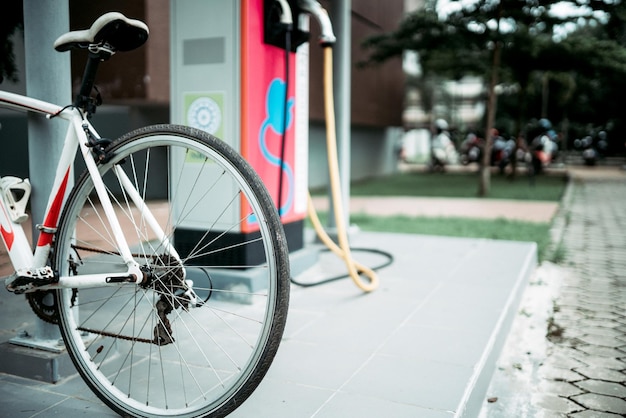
[471,149]
[589,152]
[501,150]
[443,151]
[543,147]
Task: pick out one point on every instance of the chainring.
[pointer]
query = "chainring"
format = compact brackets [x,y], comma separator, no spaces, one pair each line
[44,304]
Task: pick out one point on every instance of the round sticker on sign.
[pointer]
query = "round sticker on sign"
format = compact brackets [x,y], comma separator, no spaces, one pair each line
[204,113]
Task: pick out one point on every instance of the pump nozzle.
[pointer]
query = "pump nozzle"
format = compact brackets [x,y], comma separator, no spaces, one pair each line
[285,17]
[316,10]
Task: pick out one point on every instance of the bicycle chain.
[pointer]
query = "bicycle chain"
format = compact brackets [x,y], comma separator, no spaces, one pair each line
[162,332]
[49,312]
[120,336]
[94,250]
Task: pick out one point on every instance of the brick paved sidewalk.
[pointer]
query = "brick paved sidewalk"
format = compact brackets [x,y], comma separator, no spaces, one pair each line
[569,358]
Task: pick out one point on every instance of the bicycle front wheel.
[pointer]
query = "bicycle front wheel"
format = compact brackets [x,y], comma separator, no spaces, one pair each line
[196,337]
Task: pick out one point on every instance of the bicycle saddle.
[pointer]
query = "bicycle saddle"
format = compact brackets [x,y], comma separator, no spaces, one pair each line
[113,28]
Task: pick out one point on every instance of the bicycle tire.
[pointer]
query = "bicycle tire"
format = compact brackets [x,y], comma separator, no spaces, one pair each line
[202,361]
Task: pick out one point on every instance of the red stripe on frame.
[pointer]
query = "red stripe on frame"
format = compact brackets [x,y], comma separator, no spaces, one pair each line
[52,219]
[7,234]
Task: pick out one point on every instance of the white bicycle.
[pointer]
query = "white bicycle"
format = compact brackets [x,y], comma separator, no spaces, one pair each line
[151,311]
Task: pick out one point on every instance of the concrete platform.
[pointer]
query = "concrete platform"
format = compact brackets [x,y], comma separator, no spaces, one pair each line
[422,345]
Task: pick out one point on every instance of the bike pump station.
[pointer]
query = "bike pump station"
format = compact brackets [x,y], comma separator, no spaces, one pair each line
[232,76]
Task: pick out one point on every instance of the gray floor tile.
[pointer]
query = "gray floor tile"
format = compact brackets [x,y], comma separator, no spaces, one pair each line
[425,384]
[351,405]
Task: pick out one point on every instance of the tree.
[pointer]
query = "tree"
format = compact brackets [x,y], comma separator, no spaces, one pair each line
[503,41]
[600,79]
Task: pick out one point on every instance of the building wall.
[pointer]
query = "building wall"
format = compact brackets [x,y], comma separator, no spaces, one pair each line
[158,51]
[374,152]
[376,92]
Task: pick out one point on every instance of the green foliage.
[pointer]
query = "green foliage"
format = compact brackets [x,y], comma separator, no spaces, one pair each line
[585,67]
[461,42]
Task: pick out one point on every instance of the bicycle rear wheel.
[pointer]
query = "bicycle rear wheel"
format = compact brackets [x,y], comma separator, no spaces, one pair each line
[198,335]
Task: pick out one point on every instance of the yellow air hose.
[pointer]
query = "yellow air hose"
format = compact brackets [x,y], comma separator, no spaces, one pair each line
[355,269]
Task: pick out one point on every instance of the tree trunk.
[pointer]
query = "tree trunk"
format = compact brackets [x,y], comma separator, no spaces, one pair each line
[519,130]
[485,168]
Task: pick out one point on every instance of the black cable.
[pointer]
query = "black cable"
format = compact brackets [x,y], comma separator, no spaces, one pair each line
[285,109]
[389,261]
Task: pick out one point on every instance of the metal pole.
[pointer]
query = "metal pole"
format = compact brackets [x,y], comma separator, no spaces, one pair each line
[340,15]
[47,78]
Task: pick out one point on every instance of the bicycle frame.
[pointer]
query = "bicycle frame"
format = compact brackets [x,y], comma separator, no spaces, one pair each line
[76,139]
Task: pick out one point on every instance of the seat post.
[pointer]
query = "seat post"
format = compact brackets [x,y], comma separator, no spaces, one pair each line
[83,99]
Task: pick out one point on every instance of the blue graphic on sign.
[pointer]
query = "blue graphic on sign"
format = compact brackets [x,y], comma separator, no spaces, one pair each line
[275,118]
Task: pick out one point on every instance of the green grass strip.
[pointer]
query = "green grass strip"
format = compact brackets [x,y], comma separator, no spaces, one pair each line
[464,185]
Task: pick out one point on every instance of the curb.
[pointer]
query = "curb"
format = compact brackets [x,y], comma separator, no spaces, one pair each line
[560,221]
